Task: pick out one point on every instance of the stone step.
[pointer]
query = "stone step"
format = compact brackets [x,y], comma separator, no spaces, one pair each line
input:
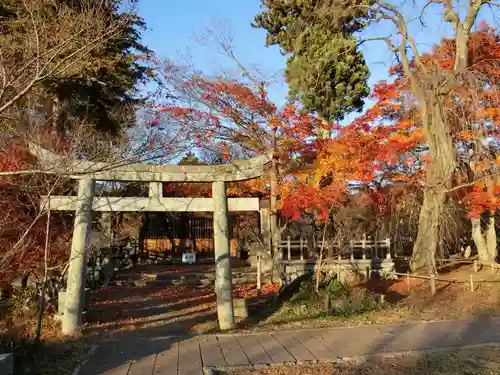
[183,276]
[211,276]
[202,281]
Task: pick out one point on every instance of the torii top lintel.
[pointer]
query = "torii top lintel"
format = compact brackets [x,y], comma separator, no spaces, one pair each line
[77,169]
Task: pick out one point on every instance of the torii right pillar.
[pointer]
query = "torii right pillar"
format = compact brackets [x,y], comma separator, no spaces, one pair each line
[223,274]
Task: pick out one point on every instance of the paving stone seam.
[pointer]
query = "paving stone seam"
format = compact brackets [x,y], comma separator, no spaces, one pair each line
[78,368]
[343,360]
[493,320]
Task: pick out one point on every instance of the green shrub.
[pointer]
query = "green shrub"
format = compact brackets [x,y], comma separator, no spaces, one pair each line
[351,307]
[306,293]
[336,289]
[345,302]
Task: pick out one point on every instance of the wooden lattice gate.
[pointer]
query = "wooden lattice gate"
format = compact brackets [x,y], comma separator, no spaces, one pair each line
[170,233]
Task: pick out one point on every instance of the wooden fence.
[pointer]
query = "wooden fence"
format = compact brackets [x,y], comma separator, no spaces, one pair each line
[368,248]
[472,281]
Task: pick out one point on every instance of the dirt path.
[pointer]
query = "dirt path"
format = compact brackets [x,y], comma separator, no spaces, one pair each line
[157,309]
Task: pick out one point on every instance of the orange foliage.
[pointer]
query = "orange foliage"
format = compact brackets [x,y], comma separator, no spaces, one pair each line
[386,144]
[234,112]
[18,203]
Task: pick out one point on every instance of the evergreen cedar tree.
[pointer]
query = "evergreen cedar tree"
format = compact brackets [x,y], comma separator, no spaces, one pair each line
[107,96]
[325,70]
[104,93]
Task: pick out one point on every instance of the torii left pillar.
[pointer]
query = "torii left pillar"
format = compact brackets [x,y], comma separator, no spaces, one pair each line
[73,304]
[223,274]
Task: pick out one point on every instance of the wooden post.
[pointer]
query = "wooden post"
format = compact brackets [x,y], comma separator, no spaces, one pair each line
[289,247]
[363,245]
[471,283]
[433,284]
[301,249]
[259,285]
[475,266]
[223,275]
[327,302]
[77,271]
[382,299]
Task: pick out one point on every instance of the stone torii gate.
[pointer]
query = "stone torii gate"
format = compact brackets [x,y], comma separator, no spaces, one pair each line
[87,173]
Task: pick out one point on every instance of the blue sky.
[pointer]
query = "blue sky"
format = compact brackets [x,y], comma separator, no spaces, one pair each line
[176,27]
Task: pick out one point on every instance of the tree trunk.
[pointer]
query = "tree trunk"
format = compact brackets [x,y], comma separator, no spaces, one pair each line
[275,233]
[483,228]
[485,240]
[491,238]
[439,174]
[424,250]
[479,239]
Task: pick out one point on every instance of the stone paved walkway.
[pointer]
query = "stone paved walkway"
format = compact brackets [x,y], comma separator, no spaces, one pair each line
[187,356]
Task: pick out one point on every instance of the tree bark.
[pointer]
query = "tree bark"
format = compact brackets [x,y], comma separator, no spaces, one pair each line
[491,238]
[275,232]
[439,174]
[479,239]
[430,88]
[424,250]
[485,240]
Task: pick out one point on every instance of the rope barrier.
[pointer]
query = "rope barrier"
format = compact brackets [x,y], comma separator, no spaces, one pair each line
[449,280]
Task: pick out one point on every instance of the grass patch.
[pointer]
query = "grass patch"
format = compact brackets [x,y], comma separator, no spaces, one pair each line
[360,304]
[334,301]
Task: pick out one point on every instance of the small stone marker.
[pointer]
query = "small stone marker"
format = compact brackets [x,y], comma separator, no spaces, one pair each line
[6,364]
[189,258]
[240,307]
